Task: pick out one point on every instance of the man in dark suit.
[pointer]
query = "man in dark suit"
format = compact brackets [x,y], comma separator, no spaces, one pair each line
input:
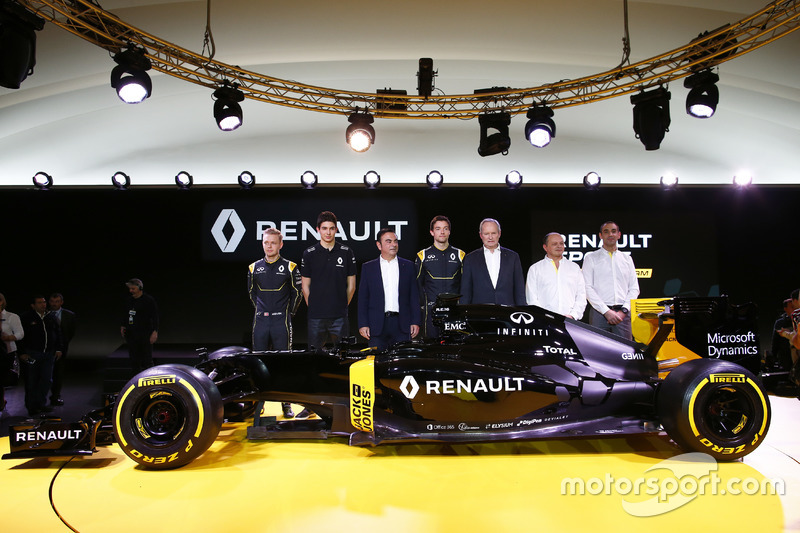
[492,274]
[66,321]
[388,296]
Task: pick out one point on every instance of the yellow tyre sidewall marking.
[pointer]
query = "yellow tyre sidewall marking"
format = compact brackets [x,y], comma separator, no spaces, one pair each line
[704,383]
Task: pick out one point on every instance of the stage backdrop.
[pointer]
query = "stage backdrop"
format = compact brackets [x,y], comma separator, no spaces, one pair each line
[191,248]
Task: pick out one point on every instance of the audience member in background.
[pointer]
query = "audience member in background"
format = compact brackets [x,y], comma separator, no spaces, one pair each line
[40,348]
[10,332]
[781,350]
[139,325]
[66,322]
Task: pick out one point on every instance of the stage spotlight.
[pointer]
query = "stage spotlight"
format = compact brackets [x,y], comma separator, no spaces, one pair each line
[703,97]
[514,180]
[18,43]
[669,181]
[372,179]
[360,134]
[246,180]
[497,142]
[130,78]
[227,111]
[42,181]
[425,77]
[434,179]
[742,179]
[184,180]
[308,180]
[541,128]
[121,181]
[651,117]
[591,181]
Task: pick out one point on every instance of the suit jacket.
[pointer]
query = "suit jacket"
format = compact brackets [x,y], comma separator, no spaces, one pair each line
[476,285]
[371,304]
[67,326]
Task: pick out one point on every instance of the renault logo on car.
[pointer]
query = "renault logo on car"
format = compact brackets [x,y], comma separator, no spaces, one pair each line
[521,318]
[409,387]
[228,245]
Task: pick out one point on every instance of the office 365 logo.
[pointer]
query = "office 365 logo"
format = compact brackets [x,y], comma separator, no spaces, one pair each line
[228,216]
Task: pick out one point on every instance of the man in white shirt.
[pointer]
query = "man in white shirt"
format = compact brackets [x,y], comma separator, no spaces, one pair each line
[611,284]
[556,283]
[388,296]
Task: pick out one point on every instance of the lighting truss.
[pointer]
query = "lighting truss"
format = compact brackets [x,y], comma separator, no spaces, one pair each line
[89,21]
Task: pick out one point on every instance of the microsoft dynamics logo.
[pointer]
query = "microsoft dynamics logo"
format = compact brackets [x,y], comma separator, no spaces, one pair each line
[228,216]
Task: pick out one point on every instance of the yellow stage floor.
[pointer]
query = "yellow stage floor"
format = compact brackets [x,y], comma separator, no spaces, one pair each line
[241,485]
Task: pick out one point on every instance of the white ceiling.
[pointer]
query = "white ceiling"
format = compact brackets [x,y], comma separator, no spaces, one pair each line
[67,121]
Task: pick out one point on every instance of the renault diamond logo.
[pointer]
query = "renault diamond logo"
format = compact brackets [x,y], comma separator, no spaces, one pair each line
[409,387]
[521,318]
[228,245]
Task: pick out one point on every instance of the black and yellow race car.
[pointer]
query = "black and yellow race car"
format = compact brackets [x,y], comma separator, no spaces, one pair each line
[495,373]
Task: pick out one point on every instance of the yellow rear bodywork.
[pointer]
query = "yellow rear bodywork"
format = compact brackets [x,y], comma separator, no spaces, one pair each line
[644,323]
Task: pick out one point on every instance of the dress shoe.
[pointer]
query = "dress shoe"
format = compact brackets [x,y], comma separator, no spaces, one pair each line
[287,410]
[305,413]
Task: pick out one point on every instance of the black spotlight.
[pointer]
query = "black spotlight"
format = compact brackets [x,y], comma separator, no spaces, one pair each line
[425,76]
[540,129]
[184,180]
[247,180]
[372,179]
[121,181]
[703,97]
[592,181]
[497,142]
[651,117]
[42,181]
[130,78]
[308,180]
[669,181]
[434,179]
[360,134]
[514,180]
[227,111]
[18,43]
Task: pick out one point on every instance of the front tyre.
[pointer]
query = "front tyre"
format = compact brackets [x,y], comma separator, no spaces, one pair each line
[714,407]
[167,416]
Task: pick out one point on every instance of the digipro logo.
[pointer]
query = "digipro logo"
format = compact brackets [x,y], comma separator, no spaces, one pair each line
[228,216]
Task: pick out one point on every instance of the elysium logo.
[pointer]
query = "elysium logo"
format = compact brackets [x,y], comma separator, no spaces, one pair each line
[521,318]
[226,216]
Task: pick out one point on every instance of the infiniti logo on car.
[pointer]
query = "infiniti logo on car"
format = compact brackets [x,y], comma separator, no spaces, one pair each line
[521,318]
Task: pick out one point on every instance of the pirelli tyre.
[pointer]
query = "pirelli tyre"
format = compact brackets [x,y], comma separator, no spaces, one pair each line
[167,416]
[715,407]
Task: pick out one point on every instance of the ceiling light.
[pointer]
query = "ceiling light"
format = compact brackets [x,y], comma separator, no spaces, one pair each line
[308,179]
[743,179]
[18,43]
[130,77]
[651,117]
[246,180]
[372,179]
[43,181]
[184,180]
[434,179]
[669,180]
[360,134]
[497,142]
[514,180]
[425,76]
[121,181]
[227,111]
[703,97]
[591,181]
[541,128]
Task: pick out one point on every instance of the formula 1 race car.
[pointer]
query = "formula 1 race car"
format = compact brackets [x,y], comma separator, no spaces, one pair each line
[495,373]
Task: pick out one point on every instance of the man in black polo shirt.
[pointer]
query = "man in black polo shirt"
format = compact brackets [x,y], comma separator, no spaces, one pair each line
[328,273]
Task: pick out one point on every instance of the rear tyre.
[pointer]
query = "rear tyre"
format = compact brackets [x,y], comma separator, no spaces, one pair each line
[714,407]
[167,416]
